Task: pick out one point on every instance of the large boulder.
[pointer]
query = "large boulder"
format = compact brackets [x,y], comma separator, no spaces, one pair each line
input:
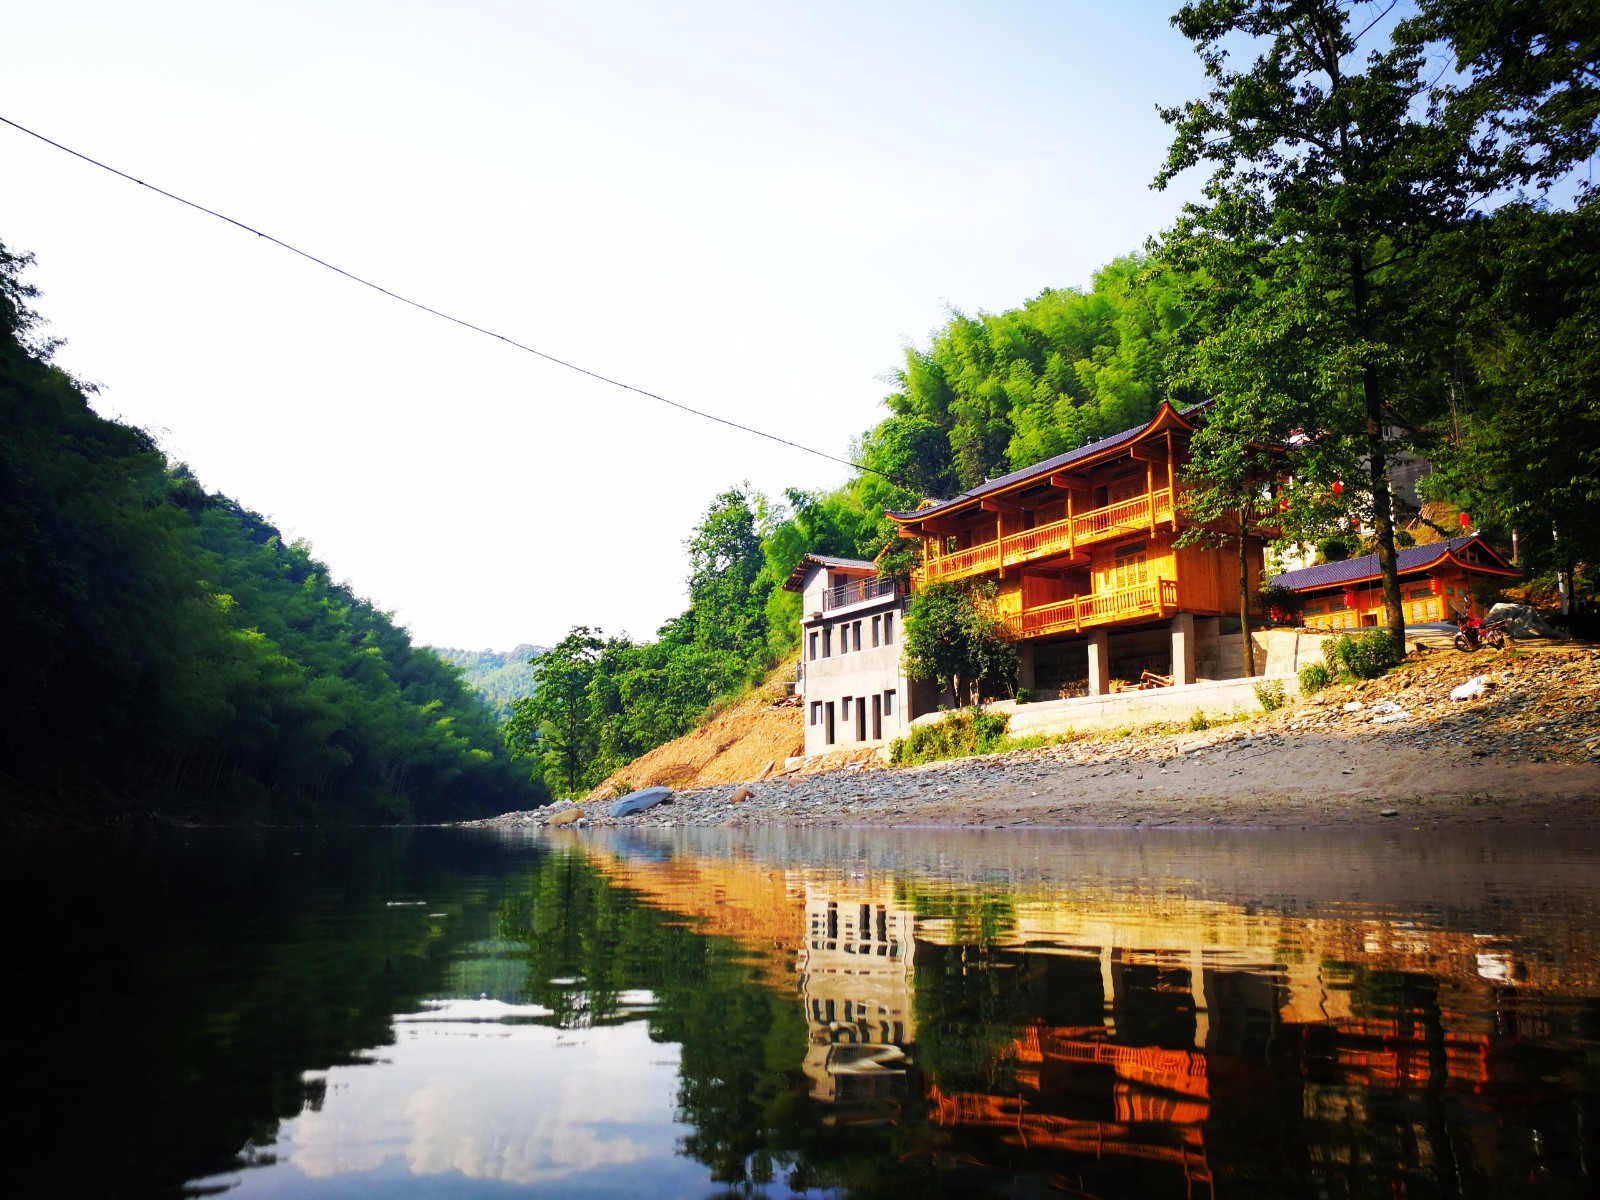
[1525,622]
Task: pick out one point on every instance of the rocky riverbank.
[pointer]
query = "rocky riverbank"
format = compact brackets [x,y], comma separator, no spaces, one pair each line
[1399,750]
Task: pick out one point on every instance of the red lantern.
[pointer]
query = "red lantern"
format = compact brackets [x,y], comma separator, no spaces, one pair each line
[1436,586]
[1350,598]
[1283,506]
[1337,487]
[1465,520]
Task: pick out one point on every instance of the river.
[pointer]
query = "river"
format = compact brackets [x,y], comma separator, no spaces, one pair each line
[777,1012]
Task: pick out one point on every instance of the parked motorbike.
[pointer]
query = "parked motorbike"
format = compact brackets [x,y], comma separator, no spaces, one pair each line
[1474,633]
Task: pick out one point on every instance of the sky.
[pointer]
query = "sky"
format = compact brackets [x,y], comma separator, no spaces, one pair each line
[749,208]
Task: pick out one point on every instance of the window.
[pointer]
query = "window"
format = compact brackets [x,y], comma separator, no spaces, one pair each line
[844,707]
[827,641]
[858,635]
[877,631]
[888,628]
[828,723]
[816,712]
[888,703]
[813,645]
[1129,569]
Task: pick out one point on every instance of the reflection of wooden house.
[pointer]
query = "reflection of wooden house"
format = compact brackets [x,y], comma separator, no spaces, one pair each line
[1436,581]
[1083,551]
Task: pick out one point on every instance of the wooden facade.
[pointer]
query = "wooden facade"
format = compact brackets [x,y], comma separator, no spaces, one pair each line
[1087,539]
[1436,584]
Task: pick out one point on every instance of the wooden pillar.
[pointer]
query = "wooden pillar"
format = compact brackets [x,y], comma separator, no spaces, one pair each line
[1150,491]
[1172,487]
[1072,540]
[1025,667]
[1099,663]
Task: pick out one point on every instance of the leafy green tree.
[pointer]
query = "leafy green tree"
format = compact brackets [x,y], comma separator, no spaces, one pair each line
[953,638]
[558,718]
[1520,448]
[727,587]
[1328,170]
[1531,85]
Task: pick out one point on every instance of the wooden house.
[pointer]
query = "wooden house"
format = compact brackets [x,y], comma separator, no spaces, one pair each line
[1436,583]
[1083,551]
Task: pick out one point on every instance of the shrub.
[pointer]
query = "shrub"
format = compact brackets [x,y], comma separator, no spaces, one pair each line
[1313,678]
[1023,695]
[1334,549]
[1199,721]
[1271,695]
[969,731]
[1366,656]
[1283,605]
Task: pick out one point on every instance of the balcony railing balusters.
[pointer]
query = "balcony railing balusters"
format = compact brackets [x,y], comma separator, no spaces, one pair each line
[1045,541]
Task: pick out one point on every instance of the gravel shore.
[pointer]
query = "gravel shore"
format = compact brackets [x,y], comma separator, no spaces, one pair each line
[1391,751]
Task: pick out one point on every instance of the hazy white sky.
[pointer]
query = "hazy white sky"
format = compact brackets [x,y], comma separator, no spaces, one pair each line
[748,207]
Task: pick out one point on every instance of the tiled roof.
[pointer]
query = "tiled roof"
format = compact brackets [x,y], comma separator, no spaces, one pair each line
[796,580]
[1352,570]
[1046,467]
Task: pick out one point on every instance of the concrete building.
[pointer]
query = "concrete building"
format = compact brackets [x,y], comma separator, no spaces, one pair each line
[856,694]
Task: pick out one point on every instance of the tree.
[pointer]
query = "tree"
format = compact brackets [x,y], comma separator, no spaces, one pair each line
[727,589]
[1329,171]
[1532,79]
[1522,448]
[561,710]
[953,638]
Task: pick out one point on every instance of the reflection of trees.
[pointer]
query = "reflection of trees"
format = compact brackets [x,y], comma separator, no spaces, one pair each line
[205,973]
[587,943]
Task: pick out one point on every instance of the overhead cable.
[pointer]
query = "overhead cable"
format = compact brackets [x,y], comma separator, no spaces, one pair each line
[354,278]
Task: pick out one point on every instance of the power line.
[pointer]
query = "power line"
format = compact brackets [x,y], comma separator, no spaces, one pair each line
[354,278]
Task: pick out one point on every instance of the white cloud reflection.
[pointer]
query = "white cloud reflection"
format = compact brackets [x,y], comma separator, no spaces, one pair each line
[520,1104]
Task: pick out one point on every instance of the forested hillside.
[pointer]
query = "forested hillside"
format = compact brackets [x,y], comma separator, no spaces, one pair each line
[500,677]
[165,653]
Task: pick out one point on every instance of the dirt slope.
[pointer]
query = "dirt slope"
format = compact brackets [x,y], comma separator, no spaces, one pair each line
[747,740]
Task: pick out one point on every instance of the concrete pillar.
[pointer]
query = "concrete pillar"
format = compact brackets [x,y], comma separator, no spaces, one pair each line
[1099,664]
[1025,666]
[1182,649]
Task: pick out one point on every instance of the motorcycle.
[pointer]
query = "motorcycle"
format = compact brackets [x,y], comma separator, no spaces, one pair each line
[1474,633]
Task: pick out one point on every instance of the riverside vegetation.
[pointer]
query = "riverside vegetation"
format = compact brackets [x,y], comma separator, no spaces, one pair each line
[166,654]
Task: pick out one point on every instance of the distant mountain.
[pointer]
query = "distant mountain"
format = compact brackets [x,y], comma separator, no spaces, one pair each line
[498,676]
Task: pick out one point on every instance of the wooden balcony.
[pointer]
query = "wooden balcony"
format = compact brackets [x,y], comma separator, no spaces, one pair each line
[1147,601]
[1051,541]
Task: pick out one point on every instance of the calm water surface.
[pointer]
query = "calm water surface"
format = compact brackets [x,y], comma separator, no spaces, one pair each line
[837,1013]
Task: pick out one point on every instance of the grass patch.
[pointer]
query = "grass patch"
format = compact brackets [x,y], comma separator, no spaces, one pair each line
[959,735]
[1271,695]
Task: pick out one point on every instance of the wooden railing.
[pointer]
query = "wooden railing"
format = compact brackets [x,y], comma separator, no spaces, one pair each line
[1158,599]
[1056,538]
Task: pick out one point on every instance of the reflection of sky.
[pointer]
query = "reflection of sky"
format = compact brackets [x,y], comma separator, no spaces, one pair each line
[466,1108]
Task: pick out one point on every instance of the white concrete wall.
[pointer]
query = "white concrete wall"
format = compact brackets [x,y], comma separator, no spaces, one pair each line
[857,674]
[1218,698]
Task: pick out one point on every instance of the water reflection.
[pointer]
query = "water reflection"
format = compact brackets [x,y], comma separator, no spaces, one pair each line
[1278,1017]
[708,1013]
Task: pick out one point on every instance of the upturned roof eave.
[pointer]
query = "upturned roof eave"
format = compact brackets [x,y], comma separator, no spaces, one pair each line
[1167,417]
